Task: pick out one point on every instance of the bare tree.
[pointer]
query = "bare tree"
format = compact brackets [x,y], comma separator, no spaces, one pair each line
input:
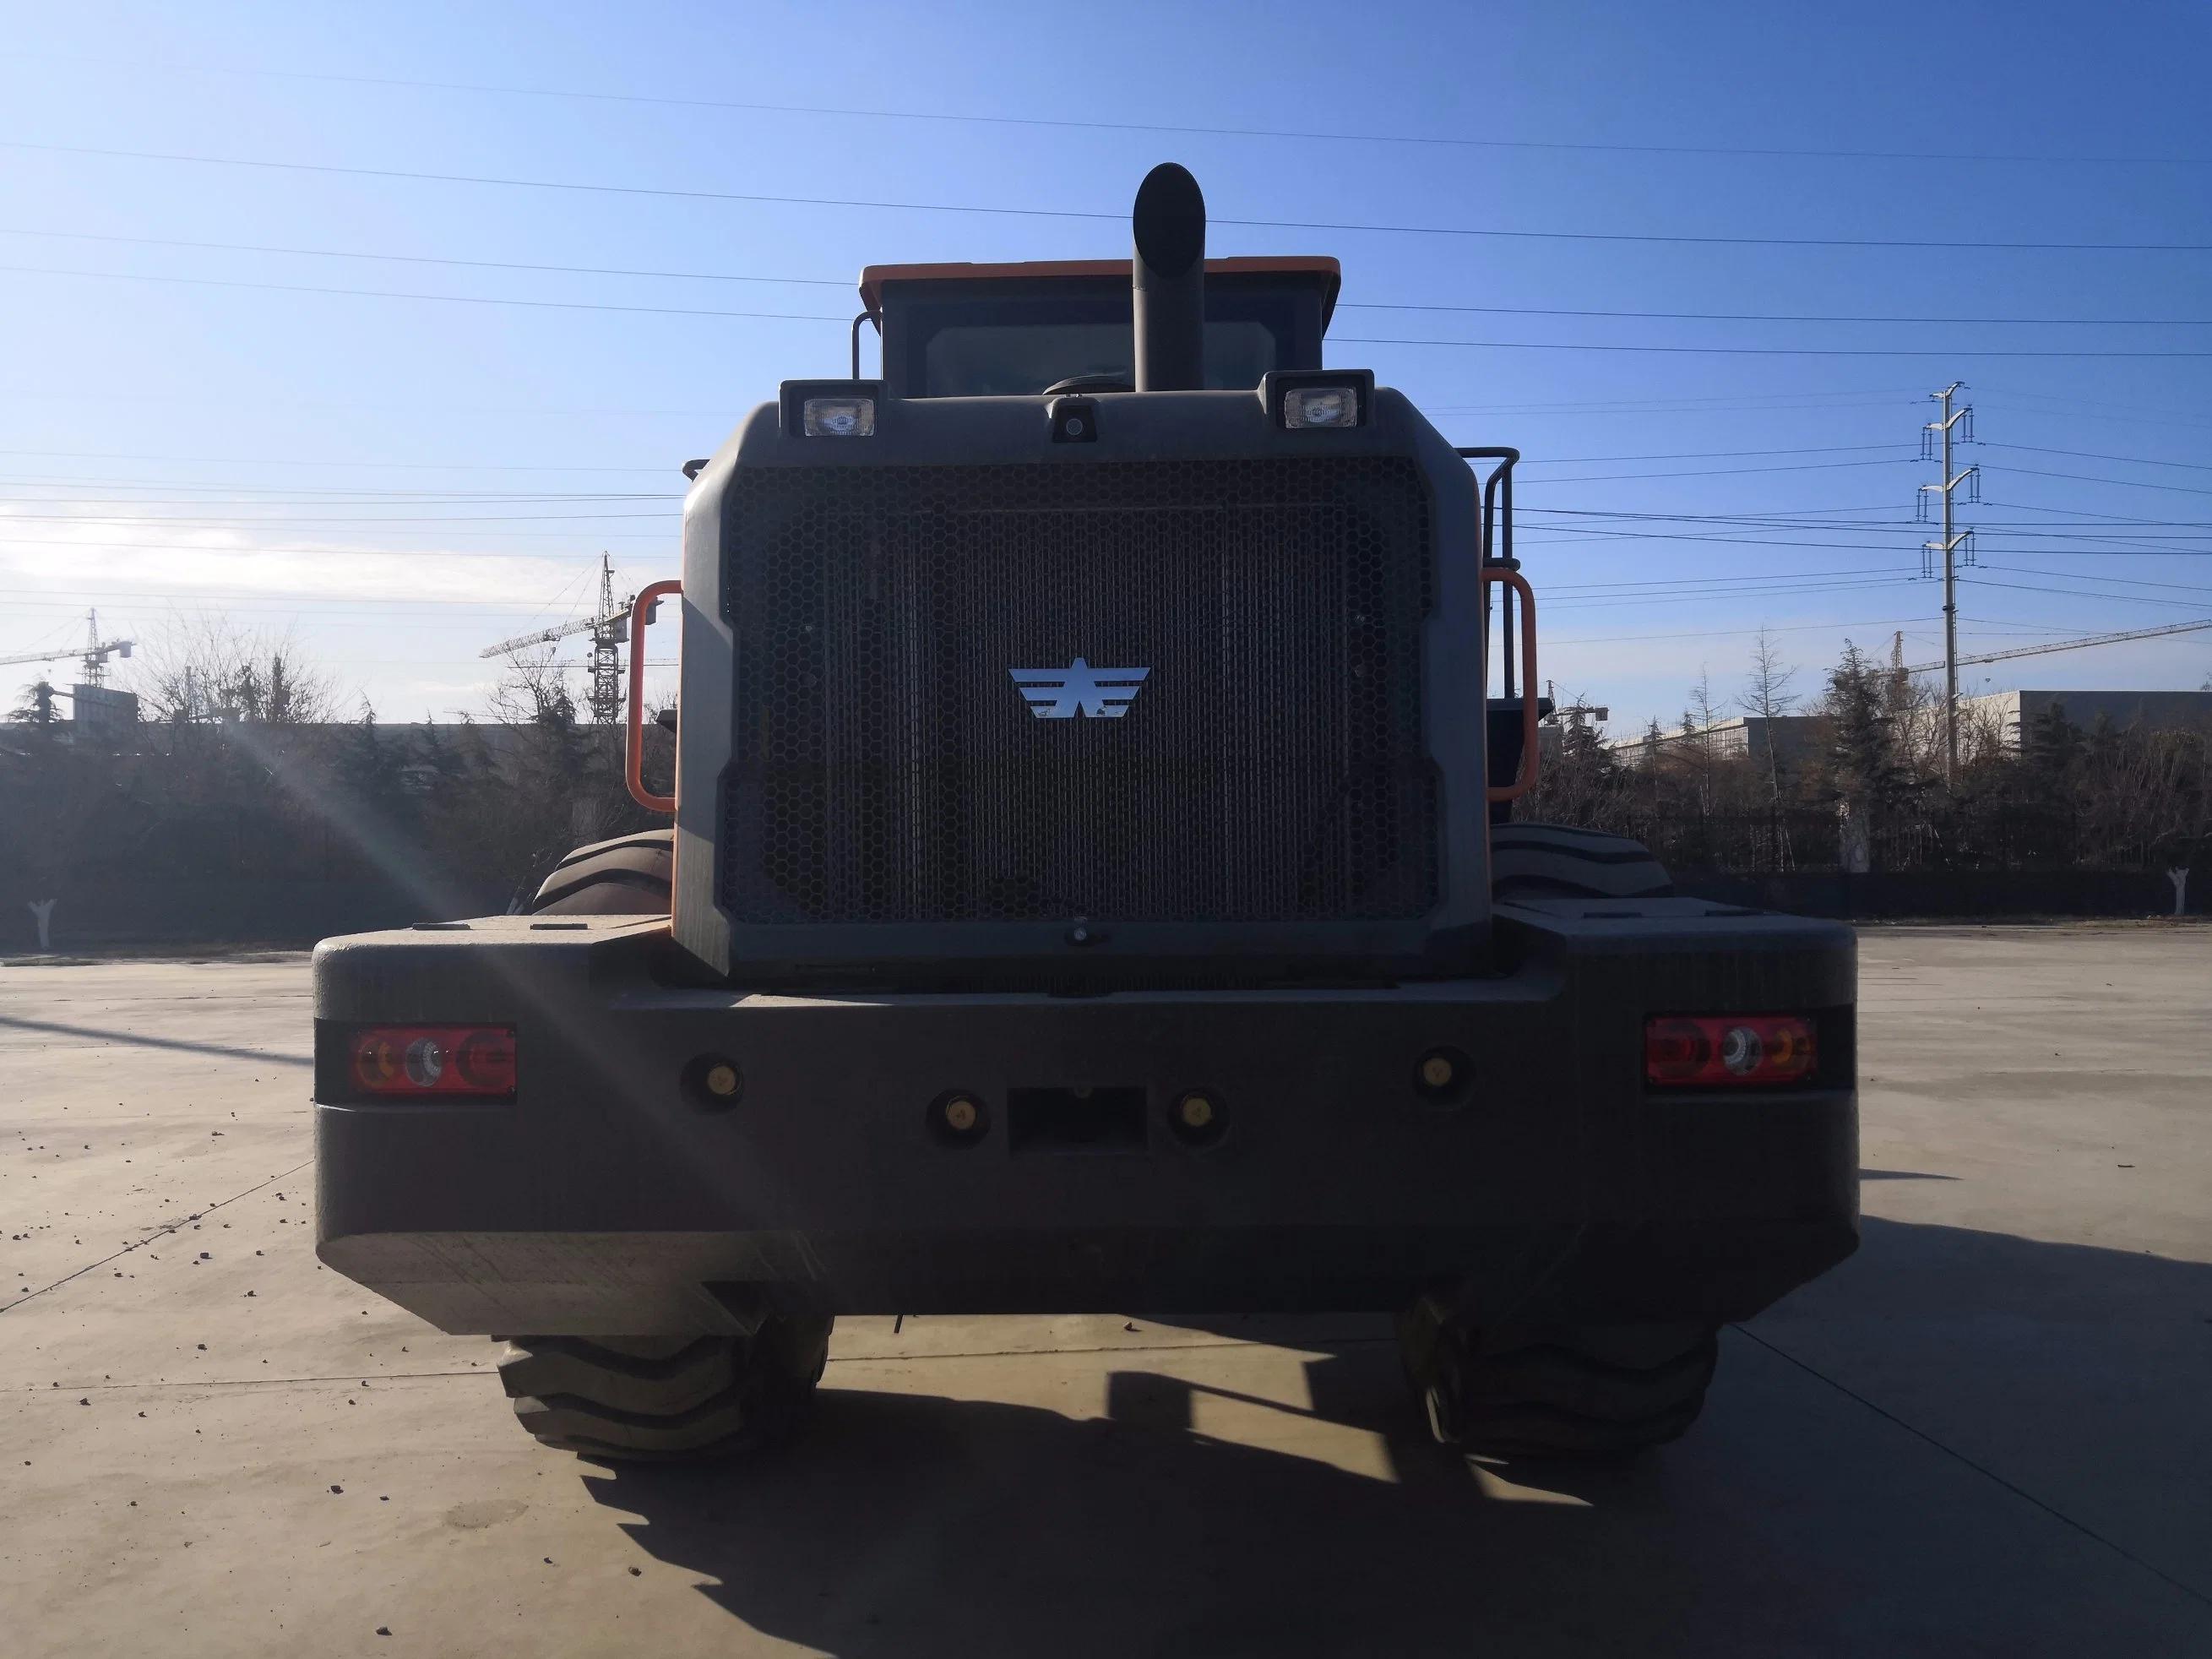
[562,779]
[1704,713]
[209,669]
[2145,795]
[1698,753]
[1767,696]
[1915,714]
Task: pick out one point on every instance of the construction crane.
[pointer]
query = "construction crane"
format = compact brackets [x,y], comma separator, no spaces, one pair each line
[606,630]
[2069,644]
[92,660]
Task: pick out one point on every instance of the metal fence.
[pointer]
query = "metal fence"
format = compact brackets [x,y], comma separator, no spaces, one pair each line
[1953,839]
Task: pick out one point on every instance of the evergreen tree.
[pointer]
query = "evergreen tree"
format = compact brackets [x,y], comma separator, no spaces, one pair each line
[2051,746]
[1865,765]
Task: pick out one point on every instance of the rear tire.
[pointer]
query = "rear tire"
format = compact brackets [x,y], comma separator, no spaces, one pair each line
[663,1399]
[628,875]
[1557,860]
[1595,1391]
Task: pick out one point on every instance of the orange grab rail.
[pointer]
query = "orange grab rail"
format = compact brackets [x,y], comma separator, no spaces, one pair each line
[641,609]
[1522,784]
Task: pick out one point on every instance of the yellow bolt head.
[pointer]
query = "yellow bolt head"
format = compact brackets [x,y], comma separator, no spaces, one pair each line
[1196,1110]
[1437,1072]
[960,1114]
[722,1080]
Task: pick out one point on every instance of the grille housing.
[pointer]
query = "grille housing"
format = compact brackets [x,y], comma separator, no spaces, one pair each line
[885,768]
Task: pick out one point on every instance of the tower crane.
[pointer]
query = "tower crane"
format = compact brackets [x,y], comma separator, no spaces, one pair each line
[606,629]
[92,660]
[2069,644]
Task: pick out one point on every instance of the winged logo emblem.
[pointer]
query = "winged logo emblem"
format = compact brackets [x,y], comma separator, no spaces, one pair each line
[1063,694]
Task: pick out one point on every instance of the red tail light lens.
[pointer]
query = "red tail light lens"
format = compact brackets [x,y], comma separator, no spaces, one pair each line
[435,1060]
[1728,1050]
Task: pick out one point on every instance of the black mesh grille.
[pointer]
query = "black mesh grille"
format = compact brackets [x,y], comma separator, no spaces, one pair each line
[1270,767]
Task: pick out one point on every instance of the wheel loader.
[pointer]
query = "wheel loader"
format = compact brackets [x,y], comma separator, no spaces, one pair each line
[1092,884]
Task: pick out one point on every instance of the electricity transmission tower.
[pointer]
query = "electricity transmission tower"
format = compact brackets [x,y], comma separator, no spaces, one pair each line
[1936,444]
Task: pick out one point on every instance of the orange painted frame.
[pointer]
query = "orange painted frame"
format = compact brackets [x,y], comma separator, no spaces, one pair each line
[634,737]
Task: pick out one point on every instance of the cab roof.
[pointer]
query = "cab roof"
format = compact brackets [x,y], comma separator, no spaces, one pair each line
[873,278]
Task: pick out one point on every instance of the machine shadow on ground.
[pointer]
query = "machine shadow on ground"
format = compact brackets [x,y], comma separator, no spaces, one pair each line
[1793,1519]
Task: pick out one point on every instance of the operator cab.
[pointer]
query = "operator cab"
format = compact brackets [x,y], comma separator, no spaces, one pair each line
[985,331]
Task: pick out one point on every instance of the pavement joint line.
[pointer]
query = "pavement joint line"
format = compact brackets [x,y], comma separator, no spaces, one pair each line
[354,1378]
[56,1028]
[351,1379]
[1982,1469]
[1133,1348]
[159,1232]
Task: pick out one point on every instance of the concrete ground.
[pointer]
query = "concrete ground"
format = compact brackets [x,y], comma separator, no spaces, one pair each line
[1988,1433]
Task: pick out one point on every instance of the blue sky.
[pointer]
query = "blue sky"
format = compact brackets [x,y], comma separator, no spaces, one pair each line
[216,396]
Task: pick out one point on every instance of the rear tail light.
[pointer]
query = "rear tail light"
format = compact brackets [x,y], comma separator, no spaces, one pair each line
[402,1061]
[1727,1050]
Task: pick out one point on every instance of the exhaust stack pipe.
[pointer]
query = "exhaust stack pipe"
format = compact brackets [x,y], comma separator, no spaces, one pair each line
[1168,281]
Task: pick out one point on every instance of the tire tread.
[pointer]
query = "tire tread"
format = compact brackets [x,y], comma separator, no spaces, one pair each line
[667,1397]
[627,875]
[1559,860]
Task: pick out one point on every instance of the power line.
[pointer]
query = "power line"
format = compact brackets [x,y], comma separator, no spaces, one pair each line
[1787,317]
[2086,514]
[816,317]
[1944,351]
[89,544]
[1716,472]
[2087,593]
[2091,455]
[663,470]
[1767,581]
[216,494]
[819,317]
[2078,406]
[426,259]
[2083,477]
[1875,397]
[1864,397]
[1306,135]
[1734,590]
[1726,633]
[142,399]
[442,299]
[271,461]
[1341,305]
[1340,227]
[1626,587]
[1683,455]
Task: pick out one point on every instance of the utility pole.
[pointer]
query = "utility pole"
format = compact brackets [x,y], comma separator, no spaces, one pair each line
[1935,445]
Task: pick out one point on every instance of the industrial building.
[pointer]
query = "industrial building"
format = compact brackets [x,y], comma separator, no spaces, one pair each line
[1747,736]
[2009,714]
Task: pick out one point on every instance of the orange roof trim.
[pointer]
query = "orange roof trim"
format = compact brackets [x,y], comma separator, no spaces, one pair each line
[873,277]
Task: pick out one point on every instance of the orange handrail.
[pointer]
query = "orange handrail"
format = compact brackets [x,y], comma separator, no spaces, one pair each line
[1522,784]
[641,609]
